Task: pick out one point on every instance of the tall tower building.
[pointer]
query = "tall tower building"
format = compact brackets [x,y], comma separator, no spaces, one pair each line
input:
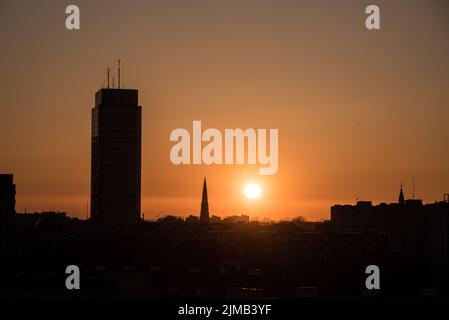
[204,214]
[7,207]
[116,157]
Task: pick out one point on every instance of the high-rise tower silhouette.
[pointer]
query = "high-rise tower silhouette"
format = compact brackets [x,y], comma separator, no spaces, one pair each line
[204,214]
[116,157]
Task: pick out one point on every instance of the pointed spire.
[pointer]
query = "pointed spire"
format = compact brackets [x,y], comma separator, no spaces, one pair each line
[204,214]
[401,197]
[204,199]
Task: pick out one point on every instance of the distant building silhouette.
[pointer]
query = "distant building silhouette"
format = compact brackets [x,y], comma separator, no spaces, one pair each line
[215,219]
[204,214]
[7,207]
[237,219]
[192,219]
[116,157]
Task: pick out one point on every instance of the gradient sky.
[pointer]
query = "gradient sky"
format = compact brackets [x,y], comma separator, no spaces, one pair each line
[358,111]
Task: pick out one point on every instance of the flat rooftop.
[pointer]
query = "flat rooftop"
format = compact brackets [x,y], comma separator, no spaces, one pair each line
[116,97]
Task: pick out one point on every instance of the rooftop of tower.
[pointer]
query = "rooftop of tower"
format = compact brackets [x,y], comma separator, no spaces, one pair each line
[111,96]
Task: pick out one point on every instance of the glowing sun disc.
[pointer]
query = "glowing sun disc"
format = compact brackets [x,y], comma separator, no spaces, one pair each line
[252,191]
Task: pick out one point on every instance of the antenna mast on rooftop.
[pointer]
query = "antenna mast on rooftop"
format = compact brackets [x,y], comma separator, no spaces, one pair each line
[413,194]
[108,78]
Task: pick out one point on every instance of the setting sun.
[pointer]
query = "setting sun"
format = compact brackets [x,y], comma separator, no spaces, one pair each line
[252,191]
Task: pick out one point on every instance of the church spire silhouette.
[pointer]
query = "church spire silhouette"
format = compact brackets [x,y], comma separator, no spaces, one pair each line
[204,214]
[401,197]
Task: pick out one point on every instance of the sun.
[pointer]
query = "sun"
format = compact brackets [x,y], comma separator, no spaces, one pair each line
[252,190]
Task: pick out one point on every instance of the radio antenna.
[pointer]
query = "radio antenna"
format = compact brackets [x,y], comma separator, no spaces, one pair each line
[108,78]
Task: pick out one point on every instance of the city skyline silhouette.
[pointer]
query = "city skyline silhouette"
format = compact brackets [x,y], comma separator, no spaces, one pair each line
[120,101]
[357,111]
[136,162]
[116,163]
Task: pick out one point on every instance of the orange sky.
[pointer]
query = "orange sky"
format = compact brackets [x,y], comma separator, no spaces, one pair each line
[357,111]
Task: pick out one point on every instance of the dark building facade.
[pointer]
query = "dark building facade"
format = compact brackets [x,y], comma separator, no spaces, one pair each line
[7,206]
[116,157]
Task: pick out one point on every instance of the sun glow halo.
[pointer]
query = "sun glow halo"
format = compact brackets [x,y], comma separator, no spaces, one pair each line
[252,190]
